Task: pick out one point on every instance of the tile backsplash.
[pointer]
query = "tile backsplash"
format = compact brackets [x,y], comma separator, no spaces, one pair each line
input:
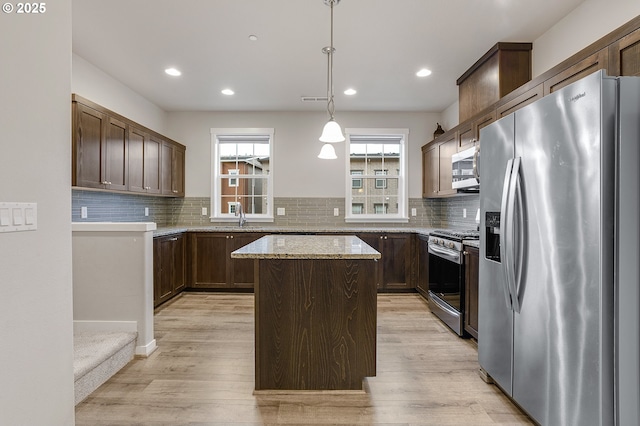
[300,212]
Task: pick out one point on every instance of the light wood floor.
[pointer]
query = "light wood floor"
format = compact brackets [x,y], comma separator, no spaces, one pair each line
[202,374]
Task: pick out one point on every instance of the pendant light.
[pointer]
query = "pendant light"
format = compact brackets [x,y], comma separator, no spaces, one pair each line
[331,132]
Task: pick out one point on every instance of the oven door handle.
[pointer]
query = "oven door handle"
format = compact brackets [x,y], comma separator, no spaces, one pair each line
[450,255]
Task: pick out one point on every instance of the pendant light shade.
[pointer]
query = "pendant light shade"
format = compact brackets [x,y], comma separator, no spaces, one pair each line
[327,152]
[332,132]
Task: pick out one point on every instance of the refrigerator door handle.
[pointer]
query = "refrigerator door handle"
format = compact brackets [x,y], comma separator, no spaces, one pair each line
[505,236]
[476,169]
[516,234]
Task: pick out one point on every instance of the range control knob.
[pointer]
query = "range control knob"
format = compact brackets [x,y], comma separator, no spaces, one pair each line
[452,245]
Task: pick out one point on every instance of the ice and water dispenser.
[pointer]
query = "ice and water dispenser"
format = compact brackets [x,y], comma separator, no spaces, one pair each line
[492,236]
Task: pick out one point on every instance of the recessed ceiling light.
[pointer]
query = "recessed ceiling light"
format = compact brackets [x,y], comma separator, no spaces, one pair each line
[227,92]
[173,72]
[253,37]
[350,92]
[423,72]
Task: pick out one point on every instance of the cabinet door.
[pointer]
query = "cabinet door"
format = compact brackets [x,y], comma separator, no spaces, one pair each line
[167,268]
[471,291]
[137,140]
[520,101]
[166,164]
[177,172]
[152,146]
[397,261]
[115,154]
[157,271]
[88,138]
[445,152]
[179,263]
[430,171]
[241,270]
[172,169]
[589,65]
[422,281]
[624,55]
[482,122]
[208,260]
[466,137]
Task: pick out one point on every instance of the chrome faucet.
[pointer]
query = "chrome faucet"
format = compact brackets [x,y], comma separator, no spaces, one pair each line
[240,213]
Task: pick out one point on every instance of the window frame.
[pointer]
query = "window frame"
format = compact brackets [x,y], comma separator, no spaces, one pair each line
[378,135]
[217,179]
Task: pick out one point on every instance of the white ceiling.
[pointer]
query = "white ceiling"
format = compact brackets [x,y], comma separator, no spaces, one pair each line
[379,47]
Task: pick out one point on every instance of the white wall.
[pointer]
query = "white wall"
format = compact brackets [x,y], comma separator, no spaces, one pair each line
[590,21]
[298,171]
[36,329]
[451,116]
[94,84]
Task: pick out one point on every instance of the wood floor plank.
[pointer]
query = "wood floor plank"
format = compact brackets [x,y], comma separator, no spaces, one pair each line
[203,374]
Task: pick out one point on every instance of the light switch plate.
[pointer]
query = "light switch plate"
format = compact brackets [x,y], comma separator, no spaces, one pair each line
[280,211]
[15,217]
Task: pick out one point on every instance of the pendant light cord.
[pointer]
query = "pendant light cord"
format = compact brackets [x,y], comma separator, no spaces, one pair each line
[329,52]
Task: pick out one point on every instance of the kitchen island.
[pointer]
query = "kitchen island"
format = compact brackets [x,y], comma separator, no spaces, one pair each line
[315,311]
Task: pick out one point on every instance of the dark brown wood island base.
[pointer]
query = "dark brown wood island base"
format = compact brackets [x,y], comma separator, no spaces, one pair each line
[315,312]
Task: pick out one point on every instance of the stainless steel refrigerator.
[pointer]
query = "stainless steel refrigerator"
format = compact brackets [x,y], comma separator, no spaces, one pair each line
[558,296]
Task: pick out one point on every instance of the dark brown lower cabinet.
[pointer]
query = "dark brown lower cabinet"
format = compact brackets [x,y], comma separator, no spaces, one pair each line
[168,267]
[211,265]
[422,275]
[395,266]
[471,261]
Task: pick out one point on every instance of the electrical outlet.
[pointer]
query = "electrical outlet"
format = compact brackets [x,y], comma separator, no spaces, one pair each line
[146,211]
[336,211]
[414,212]
[280,211]
[204,211]
[464,212]
[83,212]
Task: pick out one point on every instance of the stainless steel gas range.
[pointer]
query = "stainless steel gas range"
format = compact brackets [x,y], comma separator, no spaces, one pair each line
[446,275]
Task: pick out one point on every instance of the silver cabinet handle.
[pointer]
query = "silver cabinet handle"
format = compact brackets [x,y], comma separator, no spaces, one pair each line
[175,191]
[173,239]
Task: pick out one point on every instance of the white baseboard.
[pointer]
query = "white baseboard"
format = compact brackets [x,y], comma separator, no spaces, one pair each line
[81,325]
[146,350]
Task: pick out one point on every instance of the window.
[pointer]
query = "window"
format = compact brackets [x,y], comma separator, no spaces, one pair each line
[233,181]
[356,183]
[379,208]
[241,170]
[376,180]
[381,183]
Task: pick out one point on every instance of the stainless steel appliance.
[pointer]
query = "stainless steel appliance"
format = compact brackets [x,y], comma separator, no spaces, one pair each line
[559,254]
[446,276]
[464,170]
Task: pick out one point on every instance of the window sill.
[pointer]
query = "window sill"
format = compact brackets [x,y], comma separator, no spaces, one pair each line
[234,219]
[376,219]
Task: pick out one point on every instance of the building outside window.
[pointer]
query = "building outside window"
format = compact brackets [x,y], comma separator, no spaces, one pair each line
[241,170]
[374,153]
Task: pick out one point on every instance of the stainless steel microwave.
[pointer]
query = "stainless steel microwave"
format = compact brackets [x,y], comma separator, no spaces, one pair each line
[464,170]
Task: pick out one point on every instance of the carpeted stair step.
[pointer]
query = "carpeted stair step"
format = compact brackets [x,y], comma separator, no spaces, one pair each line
[97,356]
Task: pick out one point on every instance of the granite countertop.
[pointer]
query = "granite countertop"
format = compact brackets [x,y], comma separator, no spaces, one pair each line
[168,230]
[307,247]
